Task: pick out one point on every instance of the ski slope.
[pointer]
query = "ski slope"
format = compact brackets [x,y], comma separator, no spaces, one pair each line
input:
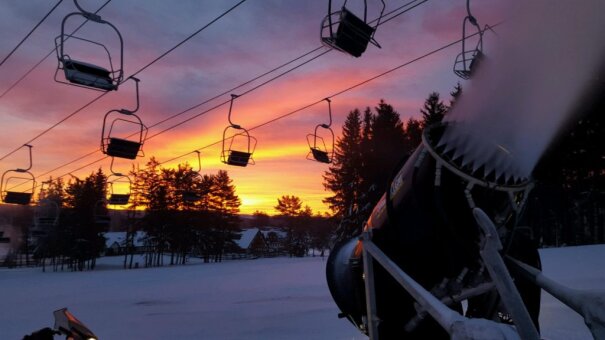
[278,298]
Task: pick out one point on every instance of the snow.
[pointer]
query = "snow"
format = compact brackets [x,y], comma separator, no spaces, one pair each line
[276,298]
[247,235]
[120,236]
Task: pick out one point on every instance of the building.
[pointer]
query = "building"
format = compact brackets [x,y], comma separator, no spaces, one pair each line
[115,242]
[252,242]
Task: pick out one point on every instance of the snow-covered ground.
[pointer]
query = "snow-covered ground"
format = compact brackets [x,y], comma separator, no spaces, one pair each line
[279,298]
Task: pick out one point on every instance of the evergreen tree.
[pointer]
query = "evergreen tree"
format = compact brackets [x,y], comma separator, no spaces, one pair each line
[343,176]
[289,205]
[413,133]
[433,110]
[387,147]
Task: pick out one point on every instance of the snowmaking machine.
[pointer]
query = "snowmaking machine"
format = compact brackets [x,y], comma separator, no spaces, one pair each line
[443,254]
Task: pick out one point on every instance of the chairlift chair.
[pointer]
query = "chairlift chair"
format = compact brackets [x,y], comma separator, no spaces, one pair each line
[116,198]
[123,147]
[466,62]
[191,196]
[83,74]
[344,31]
[318,150]
[234,157]
[46,217]
[17,177]
[101,213]
[46,214]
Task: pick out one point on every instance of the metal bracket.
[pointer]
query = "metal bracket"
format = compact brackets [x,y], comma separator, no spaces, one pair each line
[499,273]
[458,326]
[590,304]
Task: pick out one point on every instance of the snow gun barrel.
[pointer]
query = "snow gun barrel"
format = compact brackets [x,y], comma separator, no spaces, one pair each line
[425,224]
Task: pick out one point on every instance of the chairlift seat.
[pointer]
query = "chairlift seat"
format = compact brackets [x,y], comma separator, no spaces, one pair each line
[123,148]
[320,155]
[190,196]
[13,197]
[353,34]
[467,62]
[119,199]
[238,158]
[86,74]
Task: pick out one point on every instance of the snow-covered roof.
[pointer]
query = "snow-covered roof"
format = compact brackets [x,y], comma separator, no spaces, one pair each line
[247,235]
[112,237]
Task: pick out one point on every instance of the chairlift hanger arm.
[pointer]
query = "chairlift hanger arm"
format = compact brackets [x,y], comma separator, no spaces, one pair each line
[131,112]
[87,15]
[233,96]
[199,160]
[327,126]
[30,160]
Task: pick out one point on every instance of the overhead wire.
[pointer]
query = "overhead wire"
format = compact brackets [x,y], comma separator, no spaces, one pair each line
[18,81]
[30,33]
[400,8]
[382,74]
[244,93]
[135,73]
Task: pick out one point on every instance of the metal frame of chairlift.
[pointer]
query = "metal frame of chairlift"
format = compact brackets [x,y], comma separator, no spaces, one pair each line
[237,157]
[117,199]
[18,197]
[191,196]
[101,213]
[121,147]
[82,74]
[317,153]
[467,60]
[353,34]
[46,217]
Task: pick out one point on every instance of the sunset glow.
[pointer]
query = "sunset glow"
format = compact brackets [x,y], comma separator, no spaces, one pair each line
[253,39]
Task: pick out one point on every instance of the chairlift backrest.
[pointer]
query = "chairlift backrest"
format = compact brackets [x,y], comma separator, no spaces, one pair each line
[318,150]
[352,34]
[83,74]
[123,147]
[466,62]
[7,183]
[230,155]
[116,198]
[46,213]
[190,195]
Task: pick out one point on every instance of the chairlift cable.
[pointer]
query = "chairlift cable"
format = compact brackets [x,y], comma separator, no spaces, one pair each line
[126,78]
[189,37]
[30,33]
[234,88]
[426,55]
[194,107]
[10,88]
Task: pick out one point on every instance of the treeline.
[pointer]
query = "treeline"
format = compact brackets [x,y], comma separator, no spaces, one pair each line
[566,206]
[372,144]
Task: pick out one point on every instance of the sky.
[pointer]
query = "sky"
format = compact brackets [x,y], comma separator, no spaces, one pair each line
[254,38]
